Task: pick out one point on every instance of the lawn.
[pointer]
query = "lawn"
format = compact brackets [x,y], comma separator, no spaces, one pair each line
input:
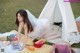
[76,8]
[8,9]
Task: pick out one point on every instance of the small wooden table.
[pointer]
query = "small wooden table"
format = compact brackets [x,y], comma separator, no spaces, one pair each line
[44,49]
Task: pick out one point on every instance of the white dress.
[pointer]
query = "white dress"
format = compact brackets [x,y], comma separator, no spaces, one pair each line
[41,26]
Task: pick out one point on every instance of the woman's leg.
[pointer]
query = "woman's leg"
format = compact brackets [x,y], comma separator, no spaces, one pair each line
[52,37]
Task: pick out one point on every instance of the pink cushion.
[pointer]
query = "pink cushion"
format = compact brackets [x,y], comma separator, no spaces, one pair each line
[63,49]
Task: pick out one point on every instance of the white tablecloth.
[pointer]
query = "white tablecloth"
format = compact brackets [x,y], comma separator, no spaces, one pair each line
[7,49]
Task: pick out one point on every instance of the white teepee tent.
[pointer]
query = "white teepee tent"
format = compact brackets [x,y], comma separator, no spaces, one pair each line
[60,11]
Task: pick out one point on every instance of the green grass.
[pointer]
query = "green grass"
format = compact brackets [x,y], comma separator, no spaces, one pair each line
[8,9]
[76,8]
[76,45]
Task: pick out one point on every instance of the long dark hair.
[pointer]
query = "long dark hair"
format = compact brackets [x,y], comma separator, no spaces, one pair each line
[24,14]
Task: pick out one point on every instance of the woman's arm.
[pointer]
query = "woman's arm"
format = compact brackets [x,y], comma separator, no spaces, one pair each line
[25,30]
[25,34]
[19,29]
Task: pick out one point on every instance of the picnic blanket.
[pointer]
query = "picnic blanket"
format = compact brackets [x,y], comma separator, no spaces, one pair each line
[11,49]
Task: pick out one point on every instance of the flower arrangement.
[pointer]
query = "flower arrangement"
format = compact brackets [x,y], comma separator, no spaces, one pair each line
[39,42]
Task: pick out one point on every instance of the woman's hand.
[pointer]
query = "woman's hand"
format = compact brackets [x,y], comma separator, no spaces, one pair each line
[18,36]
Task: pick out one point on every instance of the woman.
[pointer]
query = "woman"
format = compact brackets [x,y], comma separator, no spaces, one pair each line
[22,21]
